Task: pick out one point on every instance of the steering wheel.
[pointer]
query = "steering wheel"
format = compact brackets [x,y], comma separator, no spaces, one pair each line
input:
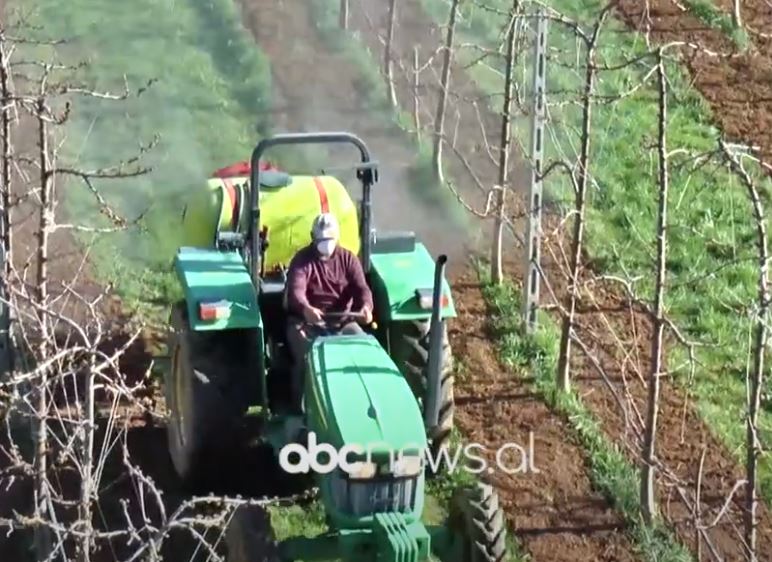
[334,320]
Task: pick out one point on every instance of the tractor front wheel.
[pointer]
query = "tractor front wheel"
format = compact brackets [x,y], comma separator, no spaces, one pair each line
[478,521]
[409,342]
[249,537]
[204,399]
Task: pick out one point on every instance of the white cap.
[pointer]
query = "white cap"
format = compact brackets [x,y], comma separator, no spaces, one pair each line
[325,226]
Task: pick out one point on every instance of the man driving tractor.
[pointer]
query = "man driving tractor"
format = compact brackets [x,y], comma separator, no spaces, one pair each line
[323,279]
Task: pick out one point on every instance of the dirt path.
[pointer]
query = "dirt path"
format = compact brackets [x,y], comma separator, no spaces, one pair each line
[556,513]
[631,331]
[317,90]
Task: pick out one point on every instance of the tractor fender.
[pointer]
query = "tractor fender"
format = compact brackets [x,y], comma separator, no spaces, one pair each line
[396,273]
[221,280]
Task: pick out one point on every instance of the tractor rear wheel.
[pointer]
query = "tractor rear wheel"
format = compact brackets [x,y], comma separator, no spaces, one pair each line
[478,520]
[205,396]
[409,342]
[249,537]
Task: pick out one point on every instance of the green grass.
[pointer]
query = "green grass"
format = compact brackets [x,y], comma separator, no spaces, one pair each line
[711,15]
[209,106]
[610,471]
[711,273]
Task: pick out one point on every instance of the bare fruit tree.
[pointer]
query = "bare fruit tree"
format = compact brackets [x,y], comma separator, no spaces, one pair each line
[442,104]
[388,58]
[648,471]
[580,185]
[758,351]
[68,473]
[505,143]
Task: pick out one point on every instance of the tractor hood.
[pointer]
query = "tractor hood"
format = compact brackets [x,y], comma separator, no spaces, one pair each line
[358,396]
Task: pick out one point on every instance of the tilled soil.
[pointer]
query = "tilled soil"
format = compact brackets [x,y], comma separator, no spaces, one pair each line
[738,87]
[620,337]
[555,511]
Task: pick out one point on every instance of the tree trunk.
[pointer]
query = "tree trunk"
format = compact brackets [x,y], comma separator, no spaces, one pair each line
[87,484]
[43,543]
[753,444]
[737,19]
[6,255]
[388,66]
[5,173]
[760,338]
[416,101]
[648,471]
[504,145]
[439,120]
[344,12]
[562,379]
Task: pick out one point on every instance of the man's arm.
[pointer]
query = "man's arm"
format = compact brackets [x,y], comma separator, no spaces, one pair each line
[297,282]
[362,296]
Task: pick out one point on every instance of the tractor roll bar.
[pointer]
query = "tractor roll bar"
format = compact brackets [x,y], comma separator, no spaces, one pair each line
[367,174]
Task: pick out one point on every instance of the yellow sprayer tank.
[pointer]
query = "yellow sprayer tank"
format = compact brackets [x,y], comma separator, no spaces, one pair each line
[287,212]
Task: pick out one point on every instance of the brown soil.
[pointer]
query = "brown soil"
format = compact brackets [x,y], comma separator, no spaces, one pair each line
[555,512]
[612,331]
[738,88]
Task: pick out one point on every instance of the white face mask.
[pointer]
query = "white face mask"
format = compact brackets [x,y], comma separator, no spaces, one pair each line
[326,247]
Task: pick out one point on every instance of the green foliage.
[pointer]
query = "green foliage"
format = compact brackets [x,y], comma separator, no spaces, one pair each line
[296,520]
[609,469]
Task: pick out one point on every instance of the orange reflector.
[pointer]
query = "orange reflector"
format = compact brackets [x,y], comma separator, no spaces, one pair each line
[217,310]
[425,300]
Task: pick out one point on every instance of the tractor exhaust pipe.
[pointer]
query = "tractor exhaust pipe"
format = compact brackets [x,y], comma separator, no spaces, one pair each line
[434,381]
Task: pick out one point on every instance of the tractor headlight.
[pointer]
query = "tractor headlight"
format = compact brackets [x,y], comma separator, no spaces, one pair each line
[361,470]
[407,466]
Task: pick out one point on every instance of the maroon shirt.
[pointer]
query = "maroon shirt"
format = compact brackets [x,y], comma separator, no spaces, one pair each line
[336,284]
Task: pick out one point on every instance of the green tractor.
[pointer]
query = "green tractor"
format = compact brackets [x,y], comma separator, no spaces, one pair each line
[385,397]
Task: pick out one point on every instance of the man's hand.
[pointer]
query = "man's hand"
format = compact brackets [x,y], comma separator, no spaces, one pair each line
[367,315]
[312,315]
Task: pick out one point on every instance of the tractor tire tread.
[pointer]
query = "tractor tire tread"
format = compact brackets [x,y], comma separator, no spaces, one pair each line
[249,537]
[410,340]
[216,395]
[477,508]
